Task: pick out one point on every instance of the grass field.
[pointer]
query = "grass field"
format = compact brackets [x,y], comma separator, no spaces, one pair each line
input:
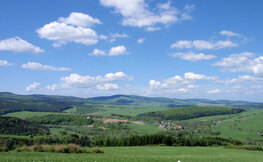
[145,128]
[71,110]
[131,110]
[136,154]
[29,114]
[58,131]
[243,126]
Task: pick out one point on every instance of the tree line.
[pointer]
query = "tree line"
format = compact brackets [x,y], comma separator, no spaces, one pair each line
[10,143]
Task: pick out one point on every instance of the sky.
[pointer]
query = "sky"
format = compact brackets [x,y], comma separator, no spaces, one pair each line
[156,48]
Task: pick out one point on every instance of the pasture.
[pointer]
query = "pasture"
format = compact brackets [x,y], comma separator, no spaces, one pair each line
[148,153]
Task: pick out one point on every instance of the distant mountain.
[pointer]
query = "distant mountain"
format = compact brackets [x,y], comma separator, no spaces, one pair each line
[10,102]
[162,101]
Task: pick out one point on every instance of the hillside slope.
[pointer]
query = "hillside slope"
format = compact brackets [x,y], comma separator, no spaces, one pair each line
[10,102]
[186,113]
[15,126]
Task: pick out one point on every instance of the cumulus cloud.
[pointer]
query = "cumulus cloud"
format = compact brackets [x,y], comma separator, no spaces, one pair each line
[136,13]
[243,62]
[119,50]
[32,87]
[229,33]
[74,28]
[117,35]
[203,44]
[191,86]
[97,52]
[243,78]
[52,87]
[191,56]
[114,51]
[140,40]
[106,82]
[38,66]
[103,37]
[16,44]
[107,86]
[178,84]
[151,29]
[76,80]
[168,83]
[171,85]
[79,19]
[5,63]
[214,91]
[187,10]
[193,76]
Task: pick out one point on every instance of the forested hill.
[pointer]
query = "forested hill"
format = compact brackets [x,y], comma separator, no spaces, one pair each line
[186,113]
[15,126]
[10,102]
[163,101]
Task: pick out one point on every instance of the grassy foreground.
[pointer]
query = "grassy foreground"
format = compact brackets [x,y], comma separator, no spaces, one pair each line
[148,153]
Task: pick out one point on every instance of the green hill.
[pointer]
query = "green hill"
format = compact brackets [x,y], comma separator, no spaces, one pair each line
[15,126]
[10,102]
[186,113]
[54,119]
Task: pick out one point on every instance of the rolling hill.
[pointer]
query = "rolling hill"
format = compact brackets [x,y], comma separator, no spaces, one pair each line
[10,102]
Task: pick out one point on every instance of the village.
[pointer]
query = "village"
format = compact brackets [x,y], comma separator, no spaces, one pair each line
[169,125]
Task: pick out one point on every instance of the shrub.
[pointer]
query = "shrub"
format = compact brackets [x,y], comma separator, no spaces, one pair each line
[97,151]
[3,149]
[71,148]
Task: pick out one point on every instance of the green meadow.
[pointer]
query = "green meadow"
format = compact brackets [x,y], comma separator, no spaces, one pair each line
[137,154]
[29,114]
[145,128]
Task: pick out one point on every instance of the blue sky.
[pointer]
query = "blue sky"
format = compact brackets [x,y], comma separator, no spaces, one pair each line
[175,48]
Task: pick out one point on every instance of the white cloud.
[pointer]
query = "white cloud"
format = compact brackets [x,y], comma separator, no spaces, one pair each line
[76,80]
[191,86]
[53,87]
[214,91]
[243,62]
[32,86]
[136,13]
[243,78]
[150,28]
[38,66]
[119,50]
[168,83]
[187,10]
[203,44]
[191,56]
[140,40]
[5,63]
[17,44]
[114,51]
[154,84]
[193,76]
[107,86]
[112,40]
[74,28]
[182,44]
[117,35]
[79,19]
[103,37]
[180,90]
[229,33]
[97,52]
[177,80]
